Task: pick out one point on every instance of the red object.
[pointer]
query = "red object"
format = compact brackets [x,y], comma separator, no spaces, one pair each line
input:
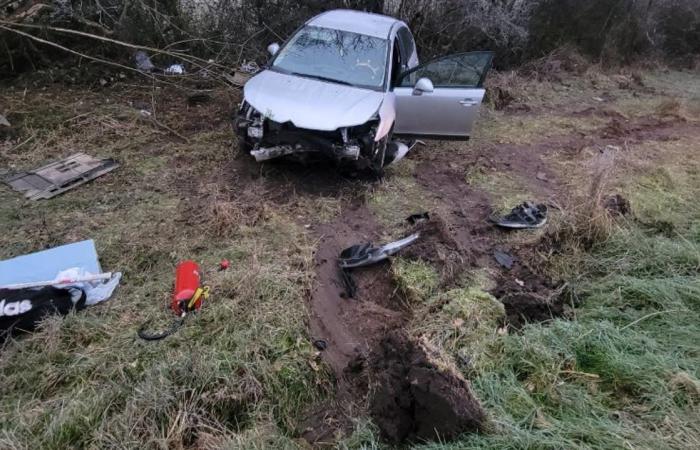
[187,280]
[224,264]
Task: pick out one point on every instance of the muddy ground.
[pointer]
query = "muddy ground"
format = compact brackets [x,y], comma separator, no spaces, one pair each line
[410,390]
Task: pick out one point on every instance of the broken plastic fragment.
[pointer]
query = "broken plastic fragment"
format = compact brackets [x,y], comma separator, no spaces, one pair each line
[59,176]
[365,254]
[419,217]
[504,259]
[175,69]
[143,61]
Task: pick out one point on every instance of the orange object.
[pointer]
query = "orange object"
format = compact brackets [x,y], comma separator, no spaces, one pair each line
[187,281]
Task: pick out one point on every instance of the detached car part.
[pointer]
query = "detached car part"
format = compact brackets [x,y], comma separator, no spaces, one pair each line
[365,254]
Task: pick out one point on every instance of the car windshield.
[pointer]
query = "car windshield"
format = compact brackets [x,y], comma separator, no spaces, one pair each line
[336,56]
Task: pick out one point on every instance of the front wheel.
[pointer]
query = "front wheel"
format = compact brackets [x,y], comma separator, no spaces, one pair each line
[378,157]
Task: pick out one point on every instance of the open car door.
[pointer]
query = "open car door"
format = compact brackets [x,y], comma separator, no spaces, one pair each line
[441,98]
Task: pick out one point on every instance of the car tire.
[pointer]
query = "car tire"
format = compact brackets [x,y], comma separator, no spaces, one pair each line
[379,155]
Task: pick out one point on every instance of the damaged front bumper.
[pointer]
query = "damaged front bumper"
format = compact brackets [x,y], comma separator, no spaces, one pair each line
[350,152]
[267,139]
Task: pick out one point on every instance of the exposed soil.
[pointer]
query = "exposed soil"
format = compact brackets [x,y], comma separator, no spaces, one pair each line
[438,247]
[373,360]
[412,399]
[527,296]
[466,220]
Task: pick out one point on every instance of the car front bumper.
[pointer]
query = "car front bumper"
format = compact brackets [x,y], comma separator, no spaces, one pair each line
[268,139]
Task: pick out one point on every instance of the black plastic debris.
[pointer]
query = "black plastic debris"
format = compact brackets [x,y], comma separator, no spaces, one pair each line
[22,310]
[320,344]
[365,254]
[526,215]
[348,283]
[417,218]
[198,99]
[504,259]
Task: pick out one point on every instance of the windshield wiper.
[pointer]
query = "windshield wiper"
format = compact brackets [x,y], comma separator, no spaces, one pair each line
[322,78]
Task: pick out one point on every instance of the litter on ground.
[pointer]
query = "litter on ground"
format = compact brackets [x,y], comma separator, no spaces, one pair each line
[188,296]
[365,254]
[51,281]
[526,215]
[504,259]
[175,69]
[59,176]
[417,218]
[143,62]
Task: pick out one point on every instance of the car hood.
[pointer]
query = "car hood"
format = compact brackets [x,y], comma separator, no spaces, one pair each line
[308,103]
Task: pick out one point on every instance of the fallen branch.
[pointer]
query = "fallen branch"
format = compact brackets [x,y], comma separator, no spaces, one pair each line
[225,78]
[200,62]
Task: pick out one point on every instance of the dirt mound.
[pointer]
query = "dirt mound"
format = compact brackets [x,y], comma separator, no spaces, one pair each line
[648,128]
[414,399]
[528,297]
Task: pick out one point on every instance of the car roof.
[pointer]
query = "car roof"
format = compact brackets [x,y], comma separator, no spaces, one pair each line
[369,24]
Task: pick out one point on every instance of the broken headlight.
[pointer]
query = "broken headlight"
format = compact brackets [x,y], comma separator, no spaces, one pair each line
[363,135]
[249,122]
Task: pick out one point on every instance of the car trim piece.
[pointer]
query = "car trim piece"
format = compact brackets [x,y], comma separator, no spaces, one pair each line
[437,137]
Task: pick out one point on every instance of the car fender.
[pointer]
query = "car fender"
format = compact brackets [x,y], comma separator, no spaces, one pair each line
[387,116]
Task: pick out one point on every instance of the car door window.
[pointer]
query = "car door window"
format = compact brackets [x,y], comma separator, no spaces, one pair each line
[461,70]
[397,63]
[407,43]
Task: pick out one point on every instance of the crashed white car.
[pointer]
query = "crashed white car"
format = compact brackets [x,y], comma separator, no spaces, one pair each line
[347,83]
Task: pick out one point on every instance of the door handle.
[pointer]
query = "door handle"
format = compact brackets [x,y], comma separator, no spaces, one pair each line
[467,102]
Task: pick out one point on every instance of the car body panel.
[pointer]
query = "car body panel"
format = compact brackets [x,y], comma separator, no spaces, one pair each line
[387,116]
[451,107]
[369,24]
[311,104]
[448,112]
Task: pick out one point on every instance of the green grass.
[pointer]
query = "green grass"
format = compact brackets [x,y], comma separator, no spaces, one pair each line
[238,374]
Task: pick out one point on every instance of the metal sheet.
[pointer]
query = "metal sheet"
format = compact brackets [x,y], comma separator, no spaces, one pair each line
[60,176]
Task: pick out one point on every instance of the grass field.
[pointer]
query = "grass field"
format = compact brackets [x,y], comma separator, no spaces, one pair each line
[622,370]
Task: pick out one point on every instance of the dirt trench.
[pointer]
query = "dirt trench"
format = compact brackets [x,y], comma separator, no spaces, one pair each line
[379,369]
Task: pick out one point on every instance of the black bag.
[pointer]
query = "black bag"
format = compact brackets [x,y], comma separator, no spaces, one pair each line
[23,309]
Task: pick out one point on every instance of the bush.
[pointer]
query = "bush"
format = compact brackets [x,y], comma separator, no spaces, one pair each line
[232,32]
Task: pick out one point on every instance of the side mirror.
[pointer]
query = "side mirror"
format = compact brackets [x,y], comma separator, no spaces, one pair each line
[273,48]
[423,86]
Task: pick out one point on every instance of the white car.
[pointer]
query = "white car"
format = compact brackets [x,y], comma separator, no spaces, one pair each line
[347,82]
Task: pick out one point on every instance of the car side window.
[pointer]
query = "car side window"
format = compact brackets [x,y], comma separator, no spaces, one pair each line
[462,70]
[406,42]
[397,63]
